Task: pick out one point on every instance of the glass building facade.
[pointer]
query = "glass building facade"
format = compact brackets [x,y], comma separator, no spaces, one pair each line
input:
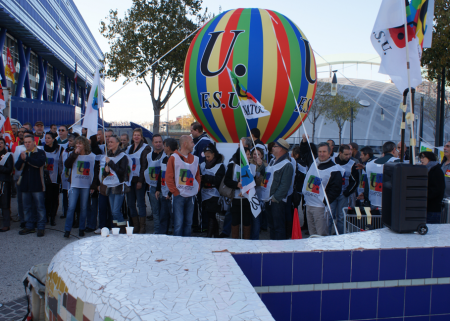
[46,40]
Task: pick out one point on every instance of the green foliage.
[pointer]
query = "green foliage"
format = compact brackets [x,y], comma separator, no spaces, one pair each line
[339,110]
[437,57]
[320,105]
[149,29]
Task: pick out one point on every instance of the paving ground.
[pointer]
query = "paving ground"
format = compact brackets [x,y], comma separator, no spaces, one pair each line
[19,253]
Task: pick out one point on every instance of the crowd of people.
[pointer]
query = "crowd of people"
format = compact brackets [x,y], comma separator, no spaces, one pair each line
[104,180]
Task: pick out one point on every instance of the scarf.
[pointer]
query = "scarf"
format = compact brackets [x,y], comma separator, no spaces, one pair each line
[210,164]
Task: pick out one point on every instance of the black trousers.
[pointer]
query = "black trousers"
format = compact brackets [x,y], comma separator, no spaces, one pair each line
[236,212]
[51,200]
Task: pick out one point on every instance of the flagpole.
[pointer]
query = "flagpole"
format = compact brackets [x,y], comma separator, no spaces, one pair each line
[302,125]
[243,113]
[240,178]
[412,141]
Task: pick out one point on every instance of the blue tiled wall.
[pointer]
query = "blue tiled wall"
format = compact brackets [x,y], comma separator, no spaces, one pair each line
[429,302]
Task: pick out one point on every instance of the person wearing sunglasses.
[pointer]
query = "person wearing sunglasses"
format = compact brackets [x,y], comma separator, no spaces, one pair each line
[445,166]
[63,132]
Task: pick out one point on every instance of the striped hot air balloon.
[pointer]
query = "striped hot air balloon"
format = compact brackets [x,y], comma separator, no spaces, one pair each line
[245,41]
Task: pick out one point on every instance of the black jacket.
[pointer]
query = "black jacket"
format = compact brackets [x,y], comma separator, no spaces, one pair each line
[281,180]
[305,153]
[7,169]
[200,147]
[334,186]
[158,184]
[436,188]
[32,177]
[353,179]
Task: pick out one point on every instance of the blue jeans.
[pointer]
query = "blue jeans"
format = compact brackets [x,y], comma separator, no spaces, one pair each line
[34,209]
[164,215]
[227,222]
[336,208]
[92,213]
[115,201]
[183,210]
[276,217]
[74,194]
[104,212]
[65,202]
[20,203]
[433,217]
[156,204]
[136,195]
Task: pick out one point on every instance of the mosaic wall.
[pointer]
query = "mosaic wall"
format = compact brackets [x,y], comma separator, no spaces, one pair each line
[62,306]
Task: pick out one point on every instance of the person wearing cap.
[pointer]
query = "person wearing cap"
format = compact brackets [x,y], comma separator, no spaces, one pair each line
[279,174]
[39,133]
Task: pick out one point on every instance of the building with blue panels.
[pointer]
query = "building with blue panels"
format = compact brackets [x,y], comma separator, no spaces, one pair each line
[47,39]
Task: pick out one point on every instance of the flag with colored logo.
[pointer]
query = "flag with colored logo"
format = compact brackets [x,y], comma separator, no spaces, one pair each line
[8,133]
[153,173]
[388,38]
[186,177]
[95,101]
[248,183]
[250,106]
[10,70]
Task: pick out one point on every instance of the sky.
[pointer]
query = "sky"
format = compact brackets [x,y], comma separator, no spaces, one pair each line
[332,27]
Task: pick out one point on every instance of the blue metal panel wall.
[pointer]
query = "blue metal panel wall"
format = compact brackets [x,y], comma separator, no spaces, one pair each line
[32,110]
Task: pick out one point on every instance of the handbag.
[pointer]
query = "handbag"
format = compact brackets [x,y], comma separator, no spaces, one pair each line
[226,191]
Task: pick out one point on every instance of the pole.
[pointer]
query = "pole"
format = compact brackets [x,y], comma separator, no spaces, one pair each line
[442,118]
[412,141]
[351,125]
[421,117]
[167,124]
[403,126]
[438,112]
[412,148]
[240,178]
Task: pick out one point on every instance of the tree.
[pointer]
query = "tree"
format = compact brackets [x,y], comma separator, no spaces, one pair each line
[339,110]
[320,104]
[437,58]
[429,91]
[150,29]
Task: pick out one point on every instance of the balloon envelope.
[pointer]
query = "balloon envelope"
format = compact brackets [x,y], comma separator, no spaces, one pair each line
[271,58]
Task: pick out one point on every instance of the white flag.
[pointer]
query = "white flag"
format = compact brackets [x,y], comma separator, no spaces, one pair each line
[251,107]
[95,101]
[388,39]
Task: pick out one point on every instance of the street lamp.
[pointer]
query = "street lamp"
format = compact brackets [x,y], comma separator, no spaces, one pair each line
[334,84]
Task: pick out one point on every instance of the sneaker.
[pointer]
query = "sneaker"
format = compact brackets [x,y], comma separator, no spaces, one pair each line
[80,233]
[66,234]
[22,225]
[26,231]
[89,230]
[98,231]
[40,233]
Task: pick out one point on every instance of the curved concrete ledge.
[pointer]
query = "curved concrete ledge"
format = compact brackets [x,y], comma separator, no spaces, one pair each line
[158,277]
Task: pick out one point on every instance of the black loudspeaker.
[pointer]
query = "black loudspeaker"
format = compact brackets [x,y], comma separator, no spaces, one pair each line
[404,201]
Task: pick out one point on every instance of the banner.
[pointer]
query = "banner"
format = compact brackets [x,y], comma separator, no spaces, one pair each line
[95,101]
[251,107]
[8,133]
[248,183]
[10,70]
[388,39]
